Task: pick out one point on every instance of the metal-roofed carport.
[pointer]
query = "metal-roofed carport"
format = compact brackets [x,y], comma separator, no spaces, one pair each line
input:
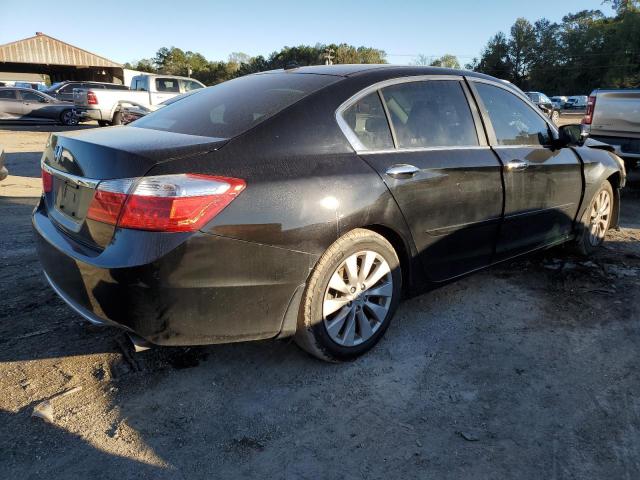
[43,54]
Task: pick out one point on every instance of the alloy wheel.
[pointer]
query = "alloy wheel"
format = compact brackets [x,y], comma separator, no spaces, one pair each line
[358,298]
[600,218]
[68,118]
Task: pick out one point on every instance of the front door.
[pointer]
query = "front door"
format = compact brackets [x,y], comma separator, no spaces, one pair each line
[35,106]
[444,177]
[543,184]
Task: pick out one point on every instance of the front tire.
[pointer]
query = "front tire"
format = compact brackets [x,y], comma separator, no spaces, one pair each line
[103,123]
[350,298]
[596,220]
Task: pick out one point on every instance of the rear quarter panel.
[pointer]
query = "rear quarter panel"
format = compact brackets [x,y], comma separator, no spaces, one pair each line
[598,166]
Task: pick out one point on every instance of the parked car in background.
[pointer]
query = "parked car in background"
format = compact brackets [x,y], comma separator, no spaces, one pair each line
[545,104]
[133,112]
[297,203]
[26,104]
[105,105]
[64,90]
[576,102]
[34,85]
[558,101]
[613,117]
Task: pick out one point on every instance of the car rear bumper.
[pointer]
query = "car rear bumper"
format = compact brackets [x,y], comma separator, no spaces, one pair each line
[206,289]
[85,114]
[623,147]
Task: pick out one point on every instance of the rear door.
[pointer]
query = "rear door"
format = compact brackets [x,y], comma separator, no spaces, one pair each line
[543,184]
[10,104]
[438,166]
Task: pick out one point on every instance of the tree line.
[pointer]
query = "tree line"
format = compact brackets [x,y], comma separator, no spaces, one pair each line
[586,50]
[174,61]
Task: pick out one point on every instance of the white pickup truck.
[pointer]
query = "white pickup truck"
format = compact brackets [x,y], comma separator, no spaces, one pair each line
[105,106]
[613,117]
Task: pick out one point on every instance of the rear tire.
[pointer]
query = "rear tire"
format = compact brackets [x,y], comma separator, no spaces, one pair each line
[352,294]
[68,119]
[117,118]
[595,221]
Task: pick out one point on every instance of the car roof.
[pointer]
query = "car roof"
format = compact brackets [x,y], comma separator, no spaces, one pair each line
[87,81]
[24,89]
[378,70]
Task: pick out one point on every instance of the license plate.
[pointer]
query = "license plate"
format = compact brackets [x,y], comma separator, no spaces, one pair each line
[68,199]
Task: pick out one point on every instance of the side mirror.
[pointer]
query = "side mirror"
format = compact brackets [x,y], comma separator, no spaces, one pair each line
[571,135]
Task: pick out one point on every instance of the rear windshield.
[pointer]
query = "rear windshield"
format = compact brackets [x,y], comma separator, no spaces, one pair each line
[230,108]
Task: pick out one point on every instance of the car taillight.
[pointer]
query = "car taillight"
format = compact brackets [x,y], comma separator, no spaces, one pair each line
[167,203]
[47,181]
[588,116]
[91,98]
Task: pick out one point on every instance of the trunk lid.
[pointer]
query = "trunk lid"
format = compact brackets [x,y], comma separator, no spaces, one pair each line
[78,161]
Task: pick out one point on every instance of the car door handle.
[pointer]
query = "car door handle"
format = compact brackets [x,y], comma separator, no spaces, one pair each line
[515,165]
[402,171]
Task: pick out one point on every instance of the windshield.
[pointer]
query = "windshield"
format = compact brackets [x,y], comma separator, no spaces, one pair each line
[230,108]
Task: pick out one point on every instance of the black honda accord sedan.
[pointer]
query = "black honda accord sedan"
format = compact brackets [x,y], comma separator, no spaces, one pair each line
[306,202]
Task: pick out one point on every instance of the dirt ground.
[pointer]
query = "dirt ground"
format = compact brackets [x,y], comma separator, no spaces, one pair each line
[526,370]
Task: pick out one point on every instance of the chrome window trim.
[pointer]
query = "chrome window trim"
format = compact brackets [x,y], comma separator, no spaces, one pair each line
[82,181]
[424,149]
[352,138]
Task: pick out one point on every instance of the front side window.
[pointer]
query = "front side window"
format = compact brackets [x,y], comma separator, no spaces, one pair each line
[366,118]
[433,113]
[167,85]
[68,88]
[514,122]
[32,97]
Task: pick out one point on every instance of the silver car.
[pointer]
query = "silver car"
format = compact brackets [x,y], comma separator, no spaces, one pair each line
[26,104]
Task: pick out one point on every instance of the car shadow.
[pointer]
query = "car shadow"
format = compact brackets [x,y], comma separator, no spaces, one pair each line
[23,164]
[54,443]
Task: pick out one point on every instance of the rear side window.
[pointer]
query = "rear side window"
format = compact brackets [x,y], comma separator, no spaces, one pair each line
[366,118]
[430,114]
[230,108]
[167,85]
[8,95]
[514,122]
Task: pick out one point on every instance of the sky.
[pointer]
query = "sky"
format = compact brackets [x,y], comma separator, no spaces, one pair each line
[129,30]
